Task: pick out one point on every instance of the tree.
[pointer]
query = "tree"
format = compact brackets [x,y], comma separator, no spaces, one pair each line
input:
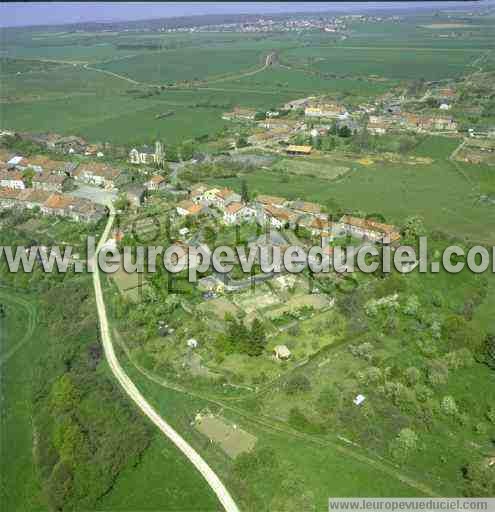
[405,443]
[490,351]
[257,338]
[64,395]
[172,154]
[449,406]
[187,151]
[241,141]
[27,177]
[244,191]
[344,131]
[413,228]
[478,479]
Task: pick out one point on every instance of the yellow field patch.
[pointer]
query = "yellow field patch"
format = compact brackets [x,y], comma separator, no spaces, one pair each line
[232,439]
[365,161]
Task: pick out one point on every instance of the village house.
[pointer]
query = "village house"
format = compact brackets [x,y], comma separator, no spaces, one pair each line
[49,182]
[97,174]
[155,183]
[70,145]
[305,207]
[220,198]
[369,229]
[17,162]
[187,207]
[444,124]
[298,104]
[30,198]
[197,193]
[377,128]
[281,353]
[321,226]
[264,200]
[12,180]
[84,210]
[295,150]
[8,198]
[328,110]
[276,217]
[238,212]
[57,204]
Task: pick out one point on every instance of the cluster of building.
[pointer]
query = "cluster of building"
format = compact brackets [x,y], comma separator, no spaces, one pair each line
[51,203]
[279,212]
[40,182]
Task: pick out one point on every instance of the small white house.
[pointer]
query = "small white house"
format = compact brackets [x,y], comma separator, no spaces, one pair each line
[281,352]
[359,399]
[192,343]
[237,212]
[444,106]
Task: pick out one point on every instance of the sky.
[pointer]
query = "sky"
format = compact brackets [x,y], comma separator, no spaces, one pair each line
[47,13]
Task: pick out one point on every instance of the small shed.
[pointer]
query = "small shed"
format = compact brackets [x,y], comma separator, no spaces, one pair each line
[359,399]
[192,343]
[281,352]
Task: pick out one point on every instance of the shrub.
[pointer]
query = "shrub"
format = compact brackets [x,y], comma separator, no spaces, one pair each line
[449,406]
[298,384]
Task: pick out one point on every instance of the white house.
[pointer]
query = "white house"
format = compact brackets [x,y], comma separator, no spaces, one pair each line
[237,212]
[444,106]
[192,343]
[359,399]
[281,352]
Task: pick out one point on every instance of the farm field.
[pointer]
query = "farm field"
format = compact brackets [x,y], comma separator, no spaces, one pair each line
[397,63]
[185,64]
[299,82]
[396,191]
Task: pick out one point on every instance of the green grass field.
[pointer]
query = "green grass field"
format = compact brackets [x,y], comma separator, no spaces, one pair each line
[397,63]
[20,487]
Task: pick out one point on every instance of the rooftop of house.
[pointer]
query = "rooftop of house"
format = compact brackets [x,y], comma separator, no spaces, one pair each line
[157,179]
[233,208]
[371,225]
[98,169]
[9,175]
[49,178]
[58,201]
[306,206]
[34,196]
[293,148]
[275,200]
[278,213]
[46,163]
[9,193]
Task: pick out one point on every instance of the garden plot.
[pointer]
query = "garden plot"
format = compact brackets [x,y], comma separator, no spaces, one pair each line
[232,439]
[219,307]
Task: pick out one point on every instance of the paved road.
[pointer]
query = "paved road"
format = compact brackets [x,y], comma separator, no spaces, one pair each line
[199,463]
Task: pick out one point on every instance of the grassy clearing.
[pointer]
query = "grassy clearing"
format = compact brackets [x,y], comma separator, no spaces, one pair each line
[20,487]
